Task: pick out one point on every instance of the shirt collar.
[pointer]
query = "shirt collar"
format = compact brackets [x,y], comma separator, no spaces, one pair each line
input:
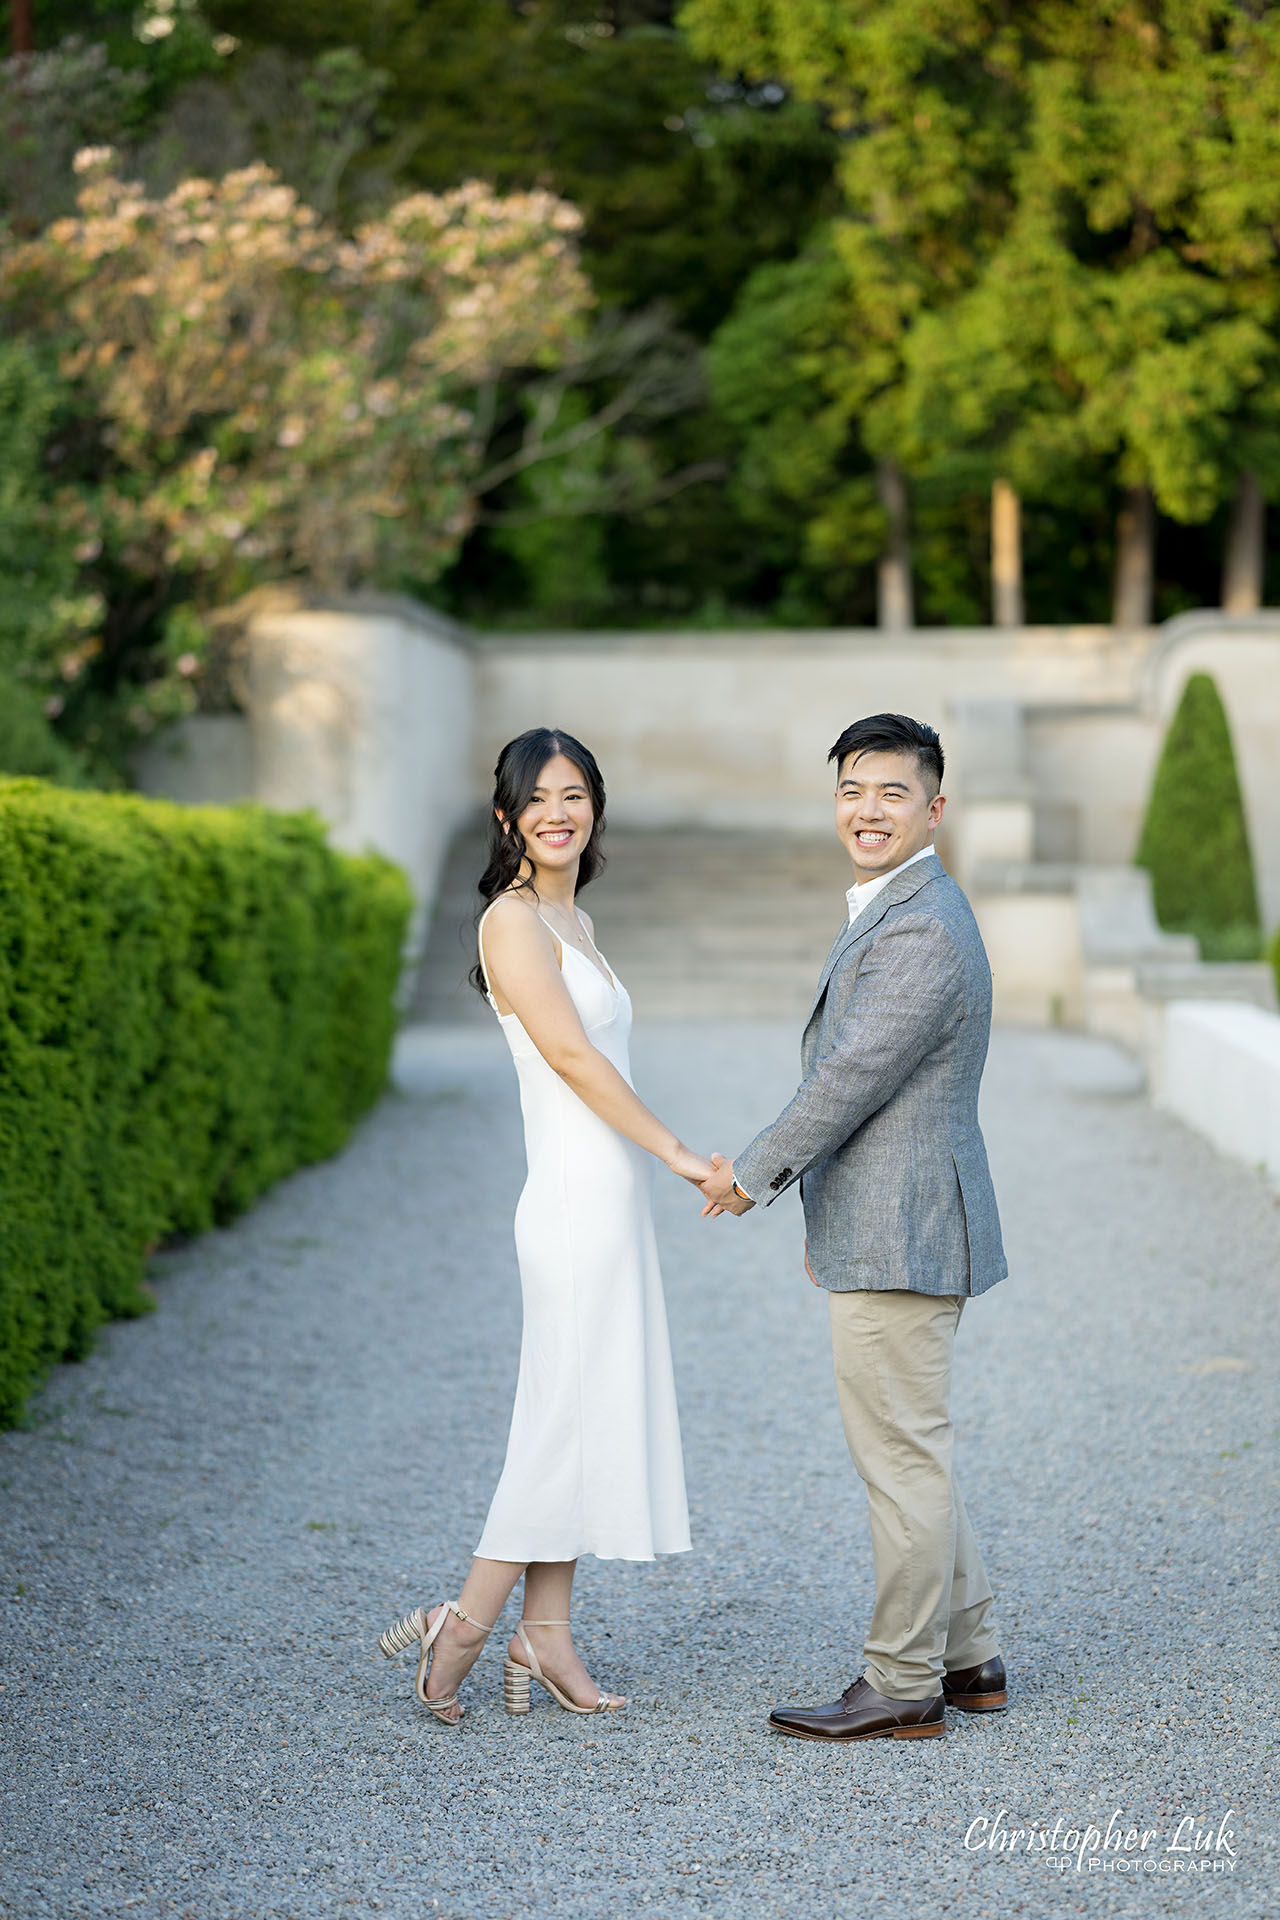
[861,894]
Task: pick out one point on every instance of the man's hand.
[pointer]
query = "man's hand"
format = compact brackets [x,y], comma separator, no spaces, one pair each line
[718,1191]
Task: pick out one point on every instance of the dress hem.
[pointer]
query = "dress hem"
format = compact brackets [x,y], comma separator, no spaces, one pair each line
[557,1552]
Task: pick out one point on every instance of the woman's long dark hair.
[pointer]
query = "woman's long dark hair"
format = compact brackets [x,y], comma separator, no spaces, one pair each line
[515,778]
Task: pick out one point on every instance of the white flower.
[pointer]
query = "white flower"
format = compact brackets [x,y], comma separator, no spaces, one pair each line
[90,158]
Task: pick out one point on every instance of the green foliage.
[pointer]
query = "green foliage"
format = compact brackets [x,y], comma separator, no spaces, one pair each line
[686,179]
[780,373]
[1125,313]
[28,744]
[1057,237]
[46,616]
[100,76]
[283,400]
[315,122]
[193,1002]
[51,105]
[1195,843]
[1038,243]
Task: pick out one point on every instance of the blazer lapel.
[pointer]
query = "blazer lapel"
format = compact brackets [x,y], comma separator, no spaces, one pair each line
[900,888]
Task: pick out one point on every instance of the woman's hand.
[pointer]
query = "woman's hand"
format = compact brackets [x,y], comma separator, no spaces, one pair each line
[689,1165]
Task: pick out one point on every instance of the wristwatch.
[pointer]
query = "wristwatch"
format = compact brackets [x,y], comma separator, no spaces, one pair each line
[741,1195]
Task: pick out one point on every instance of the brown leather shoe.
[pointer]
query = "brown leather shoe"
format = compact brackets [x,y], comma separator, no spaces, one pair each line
[977,1689]
[863,1714]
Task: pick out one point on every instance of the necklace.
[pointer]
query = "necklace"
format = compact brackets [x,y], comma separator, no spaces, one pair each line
[578,934]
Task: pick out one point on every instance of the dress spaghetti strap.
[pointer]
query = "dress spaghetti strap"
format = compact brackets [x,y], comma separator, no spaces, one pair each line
[480,944]
[488,994]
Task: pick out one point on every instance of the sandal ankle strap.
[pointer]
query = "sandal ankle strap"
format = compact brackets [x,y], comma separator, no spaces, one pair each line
[470,1618]
[524,1622]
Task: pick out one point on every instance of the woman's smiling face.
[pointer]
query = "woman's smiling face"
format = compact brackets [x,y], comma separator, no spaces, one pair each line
[556,824]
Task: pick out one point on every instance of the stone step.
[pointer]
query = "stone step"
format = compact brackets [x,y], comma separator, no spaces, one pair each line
[699,925]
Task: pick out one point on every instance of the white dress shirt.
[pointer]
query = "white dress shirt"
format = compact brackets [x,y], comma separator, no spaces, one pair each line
[862,895]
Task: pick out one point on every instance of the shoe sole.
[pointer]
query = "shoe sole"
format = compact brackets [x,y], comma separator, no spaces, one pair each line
[933,1732]
[979,1702]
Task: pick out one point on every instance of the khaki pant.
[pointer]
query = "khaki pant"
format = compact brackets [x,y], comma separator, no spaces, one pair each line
[933,1608]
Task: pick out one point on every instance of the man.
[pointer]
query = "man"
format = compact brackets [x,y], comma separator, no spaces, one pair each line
[901,1226]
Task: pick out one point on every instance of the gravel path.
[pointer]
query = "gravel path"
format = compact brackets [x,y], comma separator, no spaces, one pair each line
[206,1523]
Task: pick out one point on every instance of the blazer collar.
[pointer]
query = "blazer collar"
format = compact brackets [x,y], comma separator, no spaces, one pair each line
[903,884]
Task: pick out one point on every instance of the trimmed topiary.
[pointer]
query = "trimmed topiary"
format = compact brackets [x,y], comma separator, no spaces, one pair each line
[1195,843]
[193,1002]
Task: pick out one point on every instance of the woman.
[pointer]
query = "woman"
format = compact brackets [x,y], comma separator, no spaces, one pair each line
[593,1460]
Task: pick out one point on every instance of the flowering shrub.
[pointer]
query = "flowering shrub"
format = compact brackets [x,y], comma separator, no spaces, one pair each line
[250,393]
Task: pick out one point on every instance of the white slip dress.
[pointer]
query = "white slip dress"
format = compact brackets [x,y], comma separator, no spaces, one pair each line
[594,1462]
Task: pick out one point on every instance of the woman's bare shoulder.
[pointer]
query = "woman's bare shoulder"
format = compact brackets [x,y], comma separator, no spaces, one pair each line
[514,919]
[506,906]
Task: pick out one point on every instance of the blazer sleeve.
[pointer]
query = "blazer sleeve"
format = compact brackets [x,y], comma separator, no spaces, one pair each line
[901,1005]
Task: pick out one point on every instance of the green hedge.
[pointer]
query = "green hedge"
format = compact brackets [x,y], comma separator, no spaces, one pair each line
[193,1002]
[1194,840]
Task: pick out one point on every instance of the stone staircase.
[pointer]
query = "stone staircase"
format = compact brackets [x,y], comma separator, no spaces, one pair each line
[701,925]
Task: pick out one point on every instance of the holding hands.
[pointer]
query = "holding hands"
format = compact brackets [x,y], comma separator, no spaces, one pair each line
[689,1165]
[720,1192]
[713,1178]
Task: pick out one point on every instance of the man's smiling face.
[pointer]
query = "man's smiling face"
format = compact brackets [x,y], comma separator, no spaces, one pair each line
[885,810]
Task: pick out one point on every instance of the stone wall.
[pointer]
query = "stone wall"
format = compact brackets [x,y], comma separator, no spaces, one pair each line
[732,729]
[1219,1071]
[363,712]
[387,720]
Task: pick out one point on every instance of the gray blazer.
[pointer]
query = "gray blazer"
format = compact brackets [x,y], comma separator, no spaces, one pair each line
[882,1132]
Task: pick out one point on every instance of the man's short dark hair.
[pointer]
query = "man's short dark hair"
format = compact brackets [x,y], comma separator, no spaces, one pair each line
[893,733]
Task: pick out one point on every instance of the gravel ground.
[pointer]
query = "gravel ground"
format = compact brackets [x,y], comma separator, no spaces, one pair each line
[206,1523]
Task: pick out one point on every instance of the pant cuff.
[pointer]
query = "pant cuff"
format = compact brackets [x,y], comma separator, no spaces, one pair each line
[894,1688]
[975,1654]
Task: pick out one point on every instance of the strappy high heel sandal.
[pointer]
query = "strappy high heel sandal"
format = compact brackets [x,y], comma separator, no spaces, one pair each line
[415,1628]
[516,1678]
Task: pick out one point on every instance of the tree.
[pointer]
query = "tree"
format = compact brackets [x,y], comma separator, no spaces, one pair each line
[1153,161]
[249,393]
[1127,320]
[927,101]
[1202,882]
[28,743]
[47,617]
[779,371]
[97,74]
[686,179]
[1058,228]
[52,104]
